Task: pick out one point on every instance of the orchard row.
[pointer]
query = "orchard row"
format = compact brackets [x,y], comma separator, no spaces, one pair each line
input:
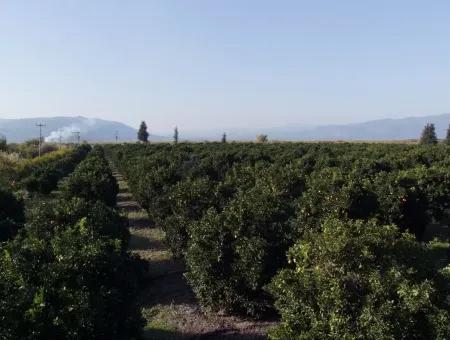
[326,234]
[67,273]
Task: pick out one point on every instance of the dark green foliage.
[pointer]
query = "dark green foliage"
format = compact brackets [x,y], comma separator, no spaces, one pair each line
[434,185]
[428,135]
[44,218]
[67,274]
[332,192]
[233,254]
[411,199]
[402,201]
[361,280]
[262,139]
[142,133]
[43,177]
[175,135]
[43,180]
[92,180]
[233,209]
[188,200]
[11,215]
[152,190]
[73,285]
[3,144]
[447,137]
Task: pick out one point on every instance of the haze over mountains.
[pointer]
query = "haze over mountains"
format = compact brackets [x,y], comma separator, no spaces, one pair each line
[91,129]
[100,130]
[383,129]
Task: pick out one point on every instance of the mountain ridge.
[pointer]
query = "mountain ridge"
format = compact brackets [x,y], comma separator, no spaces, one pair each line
[91,129]
[103,130]
[380,129]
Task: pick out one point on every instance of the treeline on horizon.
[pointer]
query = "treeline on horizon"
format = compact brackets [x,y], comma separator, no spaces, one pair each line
[428,135]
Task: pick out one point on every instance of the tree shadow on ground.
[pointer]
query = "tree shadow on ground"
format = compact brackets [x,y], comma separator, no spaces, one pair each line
[140,222]
[139,243]
[161,334]
[128,206]
[437,230]
[167,301]
[168,289]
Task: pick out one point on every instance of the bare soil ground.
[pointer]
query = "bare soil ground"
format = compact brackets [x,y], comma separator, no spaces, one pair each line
[168,304]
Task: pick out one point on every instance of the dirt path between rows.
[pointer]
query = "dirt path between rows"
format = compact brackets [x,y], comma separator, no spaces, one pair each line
[168,304]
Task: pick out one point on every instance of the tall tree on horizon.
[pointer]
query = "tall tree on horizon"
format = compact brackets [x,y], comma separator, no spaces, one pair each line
[262,138]
[224,138]
[175,135]
[3,143]
[428,135]
[142,133]
[447,138]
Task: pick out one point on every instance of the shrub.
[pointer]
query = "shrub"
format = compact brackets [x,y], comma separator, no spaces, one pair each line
[411,198]
[3,143]
[447,136]
[73,285]
[11,215]
[361,280]
[92,180]
[68,275]
[407,200]
[428,135]
[47,217]
[43,180]
[151,191]
[42,175]
[234,253]
[333,193]
[262,139]
[188,201]
[233,209]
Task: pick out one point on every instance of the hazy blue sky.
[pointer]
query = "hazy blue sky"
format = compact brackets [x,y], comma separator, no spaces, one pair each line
[228,63]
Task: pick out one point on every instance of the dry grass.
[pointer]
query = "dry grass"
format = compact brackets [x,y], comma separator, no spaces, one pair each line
[160,323]
[139,214]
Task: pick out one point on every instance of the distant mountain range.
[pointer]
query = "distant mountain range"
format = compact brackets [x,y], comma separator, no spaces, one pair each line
[91,129]
[383,129]
[99,130]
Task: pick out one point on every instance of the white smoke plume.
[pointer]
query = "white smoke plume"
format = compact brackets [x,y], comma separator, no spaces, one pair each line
[67,132]
[89,121]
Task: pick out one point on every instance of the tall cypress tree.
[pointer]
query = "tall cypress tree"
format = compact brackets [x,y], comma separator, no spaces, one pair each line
[3,143]
[224,138]
[428,135]
[142,133]
[447,138]
[175,135]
